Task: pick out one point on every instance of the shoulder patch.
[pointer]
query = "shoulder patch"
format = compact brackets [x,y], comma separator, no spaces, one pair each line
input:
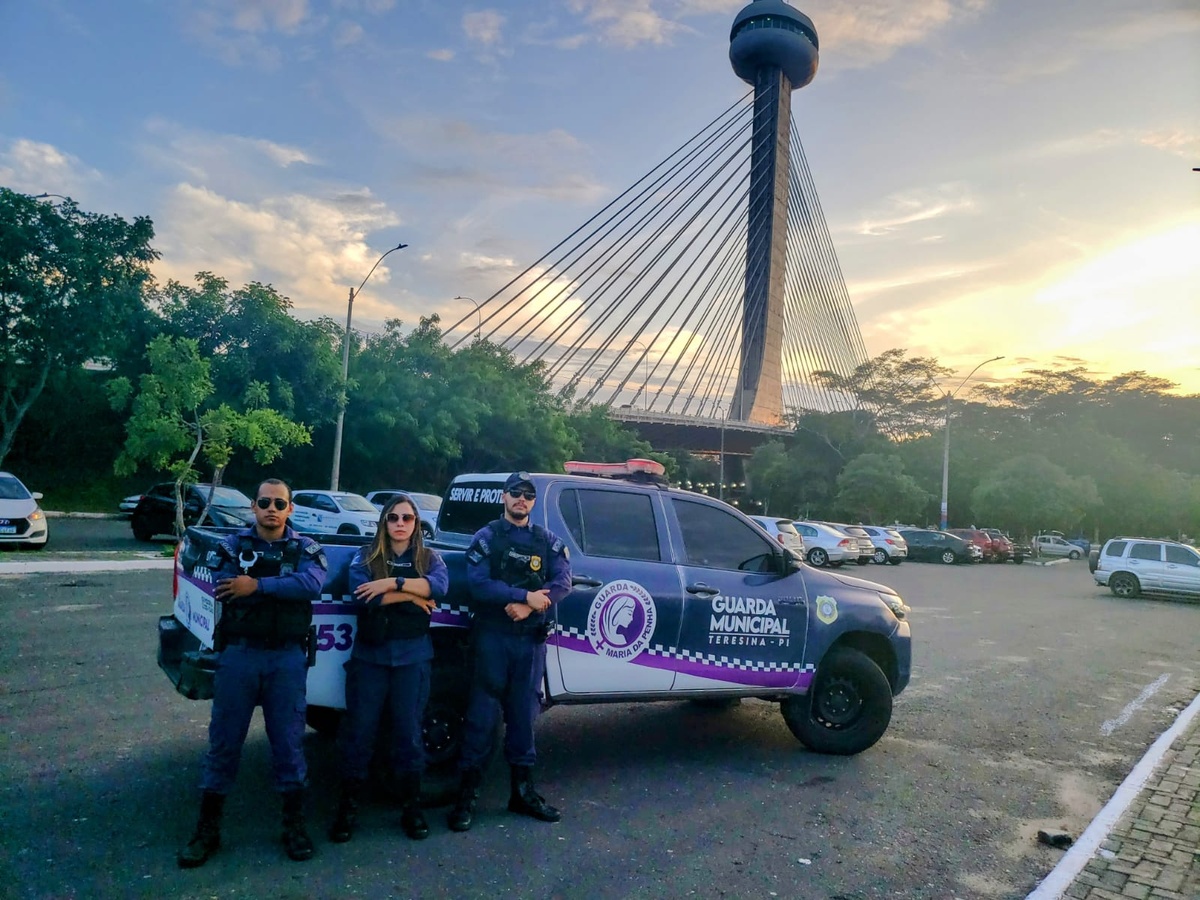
[313,548]
[557,547]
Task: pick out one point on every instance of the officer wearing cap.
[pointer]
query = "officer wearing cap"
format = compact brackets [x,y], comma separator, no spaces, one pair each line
[267,579]
[515,571]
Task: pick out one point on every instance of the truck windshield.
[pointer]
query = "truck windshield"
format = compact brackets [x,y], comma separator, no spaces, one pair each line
[470,505]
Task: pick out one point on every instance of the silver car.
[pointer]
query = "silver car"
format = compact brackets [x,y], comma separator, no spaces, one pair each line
[825,546]
[866,547]
[890,547]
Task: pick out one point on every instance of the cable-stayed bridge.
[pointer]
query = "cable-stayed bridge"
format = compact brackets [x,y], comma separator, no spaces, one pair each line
[706,295]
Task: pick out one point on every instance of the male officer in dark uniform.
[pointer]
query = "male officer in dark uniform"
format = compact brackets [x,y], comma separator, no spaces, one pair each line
[267,579]
[514,571]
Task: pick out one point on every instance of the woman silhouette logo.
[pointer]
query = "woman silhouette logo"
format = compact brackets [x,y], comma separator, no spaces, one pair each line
[621,620]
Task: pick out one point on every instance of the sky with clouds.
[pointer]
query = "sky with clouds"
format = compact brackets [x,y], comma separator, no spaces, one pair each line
[1000,178]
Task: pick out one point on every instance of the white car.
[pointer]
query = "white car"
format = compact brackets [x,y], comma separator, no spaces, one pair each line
[427,504]
[826,546]
[784,532]
[22,521]
[890,547]
[333,512]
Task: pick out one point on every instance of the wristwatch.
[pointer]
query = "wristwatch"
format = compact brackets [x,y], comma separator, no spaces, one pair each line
[399,583]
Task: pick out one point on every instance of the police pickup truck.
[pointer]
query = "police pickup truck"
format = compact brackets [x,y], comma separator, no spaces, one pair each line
[675,596]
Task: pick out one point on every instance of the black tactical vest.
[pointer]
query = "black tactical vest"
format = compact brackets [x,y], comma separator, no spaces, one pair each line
[518,569]
[377,624]
[269,618]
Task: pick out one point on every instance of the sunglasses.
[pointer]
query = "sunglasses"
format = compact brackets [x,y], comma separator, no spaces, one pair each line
[265,503]
[393,518]
[528,495]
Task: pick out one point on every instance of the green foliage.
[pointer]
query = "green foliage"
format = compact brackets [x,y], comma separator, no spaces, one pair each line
[1030,493]
[71,286]
[874,488]
[171,424]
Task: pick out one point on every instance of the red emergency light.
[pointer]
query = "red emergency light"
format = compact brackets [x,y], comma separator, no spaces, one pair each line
[630,470]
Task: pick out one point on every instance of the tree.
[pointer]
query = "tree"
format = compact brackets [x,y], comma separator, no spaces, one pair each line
[172,426]
[874,488]
[71,282]
[1029,493]
[769,476]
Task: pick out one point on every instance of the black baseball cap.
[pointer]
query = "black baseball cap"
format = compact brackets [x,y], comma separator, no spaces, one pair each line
[516,479]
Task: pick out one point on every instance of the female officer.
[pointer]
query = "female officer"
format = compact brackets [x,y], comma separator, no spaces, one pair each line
[396,582]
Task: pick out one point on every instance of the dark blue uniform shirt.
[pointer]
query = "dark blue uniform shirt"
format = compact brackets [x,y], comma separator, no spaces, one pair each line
[303,584]
[490,595]
[398,651]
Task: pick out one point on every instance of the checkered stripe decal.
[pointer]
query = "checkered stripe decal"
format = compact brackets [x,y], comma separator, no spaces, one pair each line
[709,659]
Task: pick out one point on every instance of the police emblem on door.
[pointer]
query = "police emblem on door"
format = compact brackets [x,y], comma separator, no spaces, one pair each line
[621,620]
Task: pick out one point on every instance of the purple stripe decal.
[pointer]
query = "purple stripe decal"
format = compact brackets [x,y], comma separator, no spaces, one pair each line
[715,671]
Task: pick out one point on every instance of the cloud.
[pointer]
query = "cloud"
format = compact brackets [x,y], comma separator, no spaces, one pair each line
[1177,142]
[442,55]
[347,33]
[917,206]
[626,23]
[483,27]
[311,248]
[220,160]
[34,168]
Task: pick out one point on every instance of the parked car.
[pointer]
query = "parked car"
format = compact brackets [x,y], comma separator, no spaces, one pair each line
[129,504]
[938,546]
[783,531]
[866,547]
[1078,540]
[890,547]
[825,546]
[1130,567]
[155,511]
[333,512]
[1004,547]
[979,538]
[1055,546]
[22,521]
[427,504]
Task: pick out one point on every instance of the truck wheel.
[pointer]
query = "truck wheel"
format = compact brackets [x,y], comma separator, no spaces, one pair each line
[1018,559]
[948,557]
[817,557]
[323,720]
[848,708]
[1124,585]
[880,556]
[444,716]
[347,529]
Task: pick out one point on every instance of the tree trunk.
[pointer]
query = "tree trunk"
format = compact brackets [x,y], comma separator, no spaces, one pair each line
[10,424]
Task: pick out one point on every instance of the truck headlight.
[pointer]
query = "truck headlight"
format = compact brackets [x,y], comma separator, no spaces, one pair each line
[893,602]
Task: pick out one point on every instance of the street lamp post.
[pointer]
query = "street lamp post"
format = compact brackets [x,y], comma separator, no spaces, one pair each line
[641,391]
[478,315]
[341,417]
[946,448]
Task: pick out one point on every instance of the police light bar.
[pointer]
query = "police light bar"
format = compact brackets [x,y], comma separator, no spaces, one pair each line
[648,469]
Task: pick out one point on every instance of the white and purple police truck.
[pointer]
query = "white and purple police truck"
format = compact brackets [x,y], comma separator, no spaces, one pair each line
[675,596]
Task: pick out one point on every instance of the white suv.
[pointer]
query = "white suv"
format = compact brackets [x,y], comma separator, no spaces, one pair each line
[333,512]
[1130,566]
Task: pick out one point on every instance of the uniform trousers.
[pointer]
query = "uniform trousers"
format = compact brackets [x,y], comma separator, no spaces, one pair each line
[247,677]
[506,678]
[372,688]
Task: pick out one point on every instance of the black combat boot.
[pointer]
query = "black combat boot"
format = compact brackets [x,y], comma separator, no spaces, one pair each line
[296,842]
[346,816]
[207,839]
[412,820]
[526,800]
[461,816]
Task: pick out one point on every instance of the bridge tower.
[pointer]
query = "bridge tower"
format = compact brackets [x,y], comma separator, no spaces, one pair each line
[773,47]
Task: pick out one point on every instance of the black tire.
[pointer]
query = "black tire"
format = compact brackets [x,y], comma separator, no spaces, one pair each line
[1123,584]
[347,529]
[427,531]
[1074,554]
[896,560]
[444,716]
[847,710]
[323,720]
[948,557]
[1018,559]
[142,530]
[818,557]
[880,558]
[863,561]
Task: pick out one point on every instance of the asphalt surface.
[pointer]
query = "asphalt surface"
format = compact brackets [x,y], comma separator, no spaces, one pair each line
[1034,694]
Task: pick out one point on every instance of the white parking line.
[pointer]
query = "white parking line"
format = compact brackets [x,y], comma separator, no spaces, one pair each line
[1134,705]
[82,565]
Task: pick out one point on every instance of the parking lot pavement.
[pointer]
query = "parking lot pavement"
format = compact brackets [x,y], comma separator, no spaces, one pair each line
[1152,852]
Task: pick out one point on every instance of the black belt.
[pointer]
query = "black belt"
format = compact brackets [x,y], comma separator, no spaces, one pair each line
[264,643]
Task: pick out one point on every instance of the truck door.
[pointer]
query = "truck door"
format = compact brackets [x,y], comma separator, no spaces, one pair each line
[744,619]
[627,600]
